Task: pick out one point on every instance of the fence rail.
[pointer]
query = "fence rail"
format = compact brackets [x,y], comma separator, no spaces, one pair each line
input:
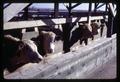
[45,22]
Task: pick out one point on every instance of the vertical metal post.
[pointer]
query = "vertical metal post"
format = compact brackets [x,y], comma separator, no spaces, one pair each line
[95,7]
[69,9]
[110,23]
[113,5]
[115,21]
[89,15]
[66,31]
[25,17]
[106,7]
[89,12]
[70,18]
[56,9]
[25,13]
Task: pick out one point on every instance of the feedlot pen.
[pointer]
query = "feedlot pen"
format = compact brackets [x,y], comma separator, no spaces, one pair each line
[30,70]
[81,60]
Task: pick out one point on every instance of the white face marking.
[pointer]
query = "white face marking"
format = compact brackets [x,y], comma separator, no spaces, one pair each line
[33,47]
[52,46]
[39,55]
[99,30]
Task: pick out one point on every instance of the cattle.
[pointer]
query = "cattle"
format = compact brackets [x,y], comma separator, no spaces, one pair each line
[58,33]
[45,42]
[18,52]
[85,33]
[95,27]
[81,33]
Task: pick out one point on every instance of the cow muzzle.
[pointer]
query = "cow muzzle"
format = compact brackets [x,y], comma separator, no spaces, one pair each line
[52,47]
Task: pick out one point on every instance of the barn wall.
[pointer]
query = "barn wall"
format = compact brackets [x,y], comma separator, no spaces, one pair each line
[76,64]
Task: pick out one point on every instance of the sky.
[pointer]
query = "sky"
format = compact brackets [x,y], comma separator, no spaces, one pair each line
[83,6]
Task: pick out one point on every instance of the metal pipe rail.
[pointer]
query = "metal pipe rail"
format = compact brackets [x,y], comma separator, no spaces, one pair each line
[44,22]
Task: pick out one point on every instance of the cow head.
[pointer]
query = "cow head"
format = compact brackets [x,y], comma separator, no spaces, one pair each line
[45,42]
[48,41]
[18,53]
[26,52]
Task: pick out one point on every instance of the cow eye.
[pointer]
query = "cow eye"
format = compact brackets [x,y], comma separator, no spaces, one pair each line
[21,46]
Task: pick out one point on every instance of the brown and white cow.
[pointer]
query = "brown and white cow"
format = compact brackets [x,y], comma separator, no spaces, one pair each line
[45,42]
[16,53]
[85,33]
